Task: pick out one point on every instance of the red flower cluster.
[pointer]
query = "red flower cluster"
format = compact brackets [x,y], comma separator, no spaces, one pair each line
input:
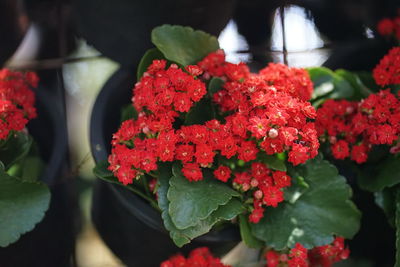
[269,107]
[388,70]
[299,256]
[266,187]
[389,27]
[16,100]
[353,127]
[199,257]
[294,81]
[260,113]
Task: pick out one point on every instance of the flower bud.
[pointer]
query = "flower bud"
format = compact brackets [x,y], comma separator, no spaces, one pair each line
[273,133]
[258,194]
[254,182]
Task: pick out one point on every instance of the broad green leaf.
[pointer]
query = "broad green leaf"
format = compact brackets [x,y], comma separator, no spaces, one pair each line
[128,112]
[182,237]
[368,80]
[192,202]
[322,79]
[30,167]
[22,205]
[163,186]
[378,176]
[321,212]
[201,112]
[360,90]
[273,162]
[15,149]
[245,232]
[215,85]
[386,200]
[183,45]
[296,190]
[147,59]
[328,84]
[224,213]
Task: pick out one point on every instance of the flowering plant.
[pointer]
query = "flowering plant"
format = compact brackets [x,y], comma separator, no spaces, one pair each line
[209,143]
[23,198]
[358,124]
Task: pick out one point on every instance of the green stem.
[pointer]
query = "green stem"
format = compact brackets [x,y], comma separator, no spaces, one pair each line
[145,184]
[152,202]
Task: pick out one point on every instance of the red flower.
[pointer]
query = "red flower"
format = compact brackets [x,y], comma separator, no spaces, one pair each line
[247,151]
[299,154]
[184,153]
[192,172]
[257,214]
[298,252]
[281,179]
[222,173]
[182,102]
[388,69]
[340,149]
[272,195]
[204,154]
[359,153]
[16,100]
[385,27]
[272,258]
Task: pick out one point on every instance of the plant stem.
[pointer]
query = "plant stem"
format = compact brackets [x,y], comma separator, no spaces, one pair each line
[152,202]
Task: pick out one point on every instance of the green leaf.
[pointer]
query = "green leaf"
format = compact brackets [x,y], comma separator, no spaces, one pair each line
[215,85]
[22,205]
[322,79]
[30,167]
[182,237]
[16,148]
[128,112]
[273,162]
[321,212]
[328,84]
[201,112]
[147,59]
[298,188]
[378,176]
[183,45]
[360,90]
[2,167]
[368,80]
[245,232]
[386,200]
[192,202]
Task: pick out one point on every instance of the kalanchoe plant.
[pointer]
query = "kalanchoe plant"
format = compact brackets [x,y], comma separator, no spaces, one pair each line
[208,142]
[358,124]
[23,198]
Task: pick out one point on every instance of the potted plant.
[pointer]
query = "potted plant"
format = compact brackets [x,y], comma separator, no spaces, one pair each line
[211,146]
[35,210]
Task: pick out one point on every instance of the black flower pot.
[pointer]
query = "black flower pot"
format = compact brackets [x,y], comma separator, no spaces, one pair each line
[121,31]
[128,224]
[51,242]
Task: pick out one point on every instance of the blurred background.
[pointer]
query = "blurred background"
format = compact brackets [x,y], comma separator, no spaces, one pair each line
[79,45]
